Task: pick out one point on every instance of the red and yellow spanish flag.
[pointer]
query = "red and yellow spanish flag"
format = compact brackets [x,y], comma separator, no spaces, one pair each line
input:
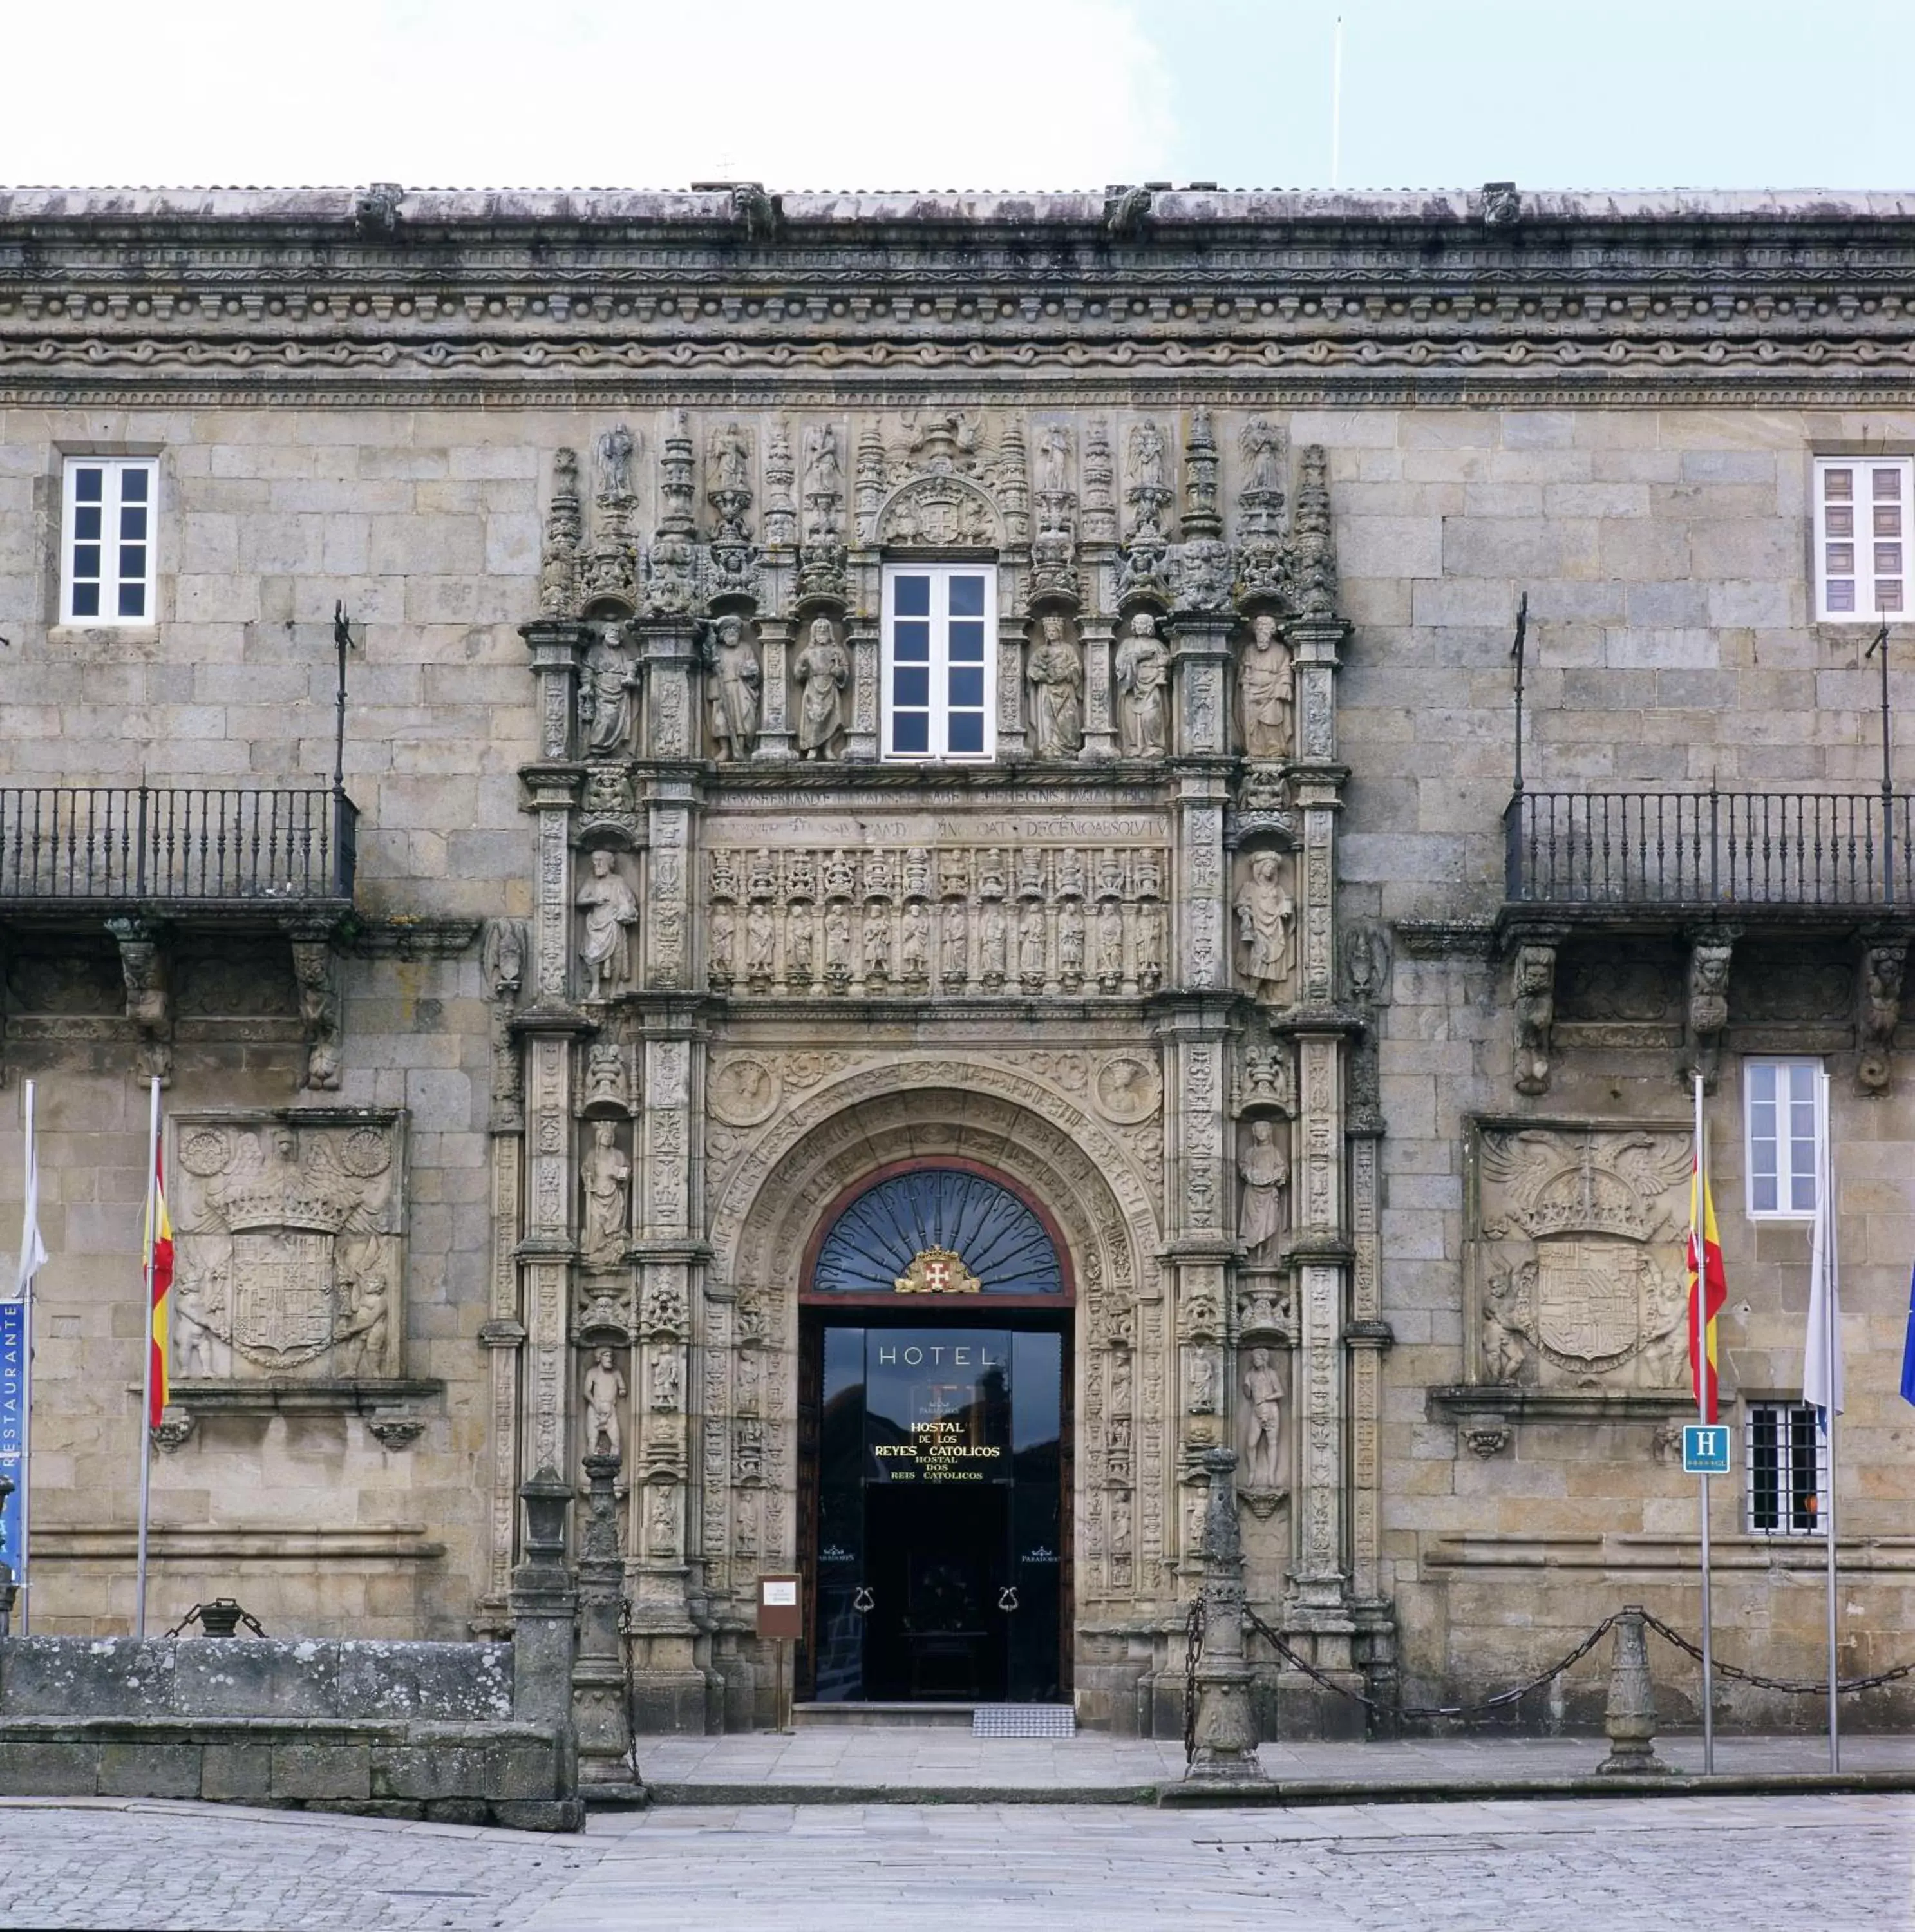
[1713,1286]
[160,1252]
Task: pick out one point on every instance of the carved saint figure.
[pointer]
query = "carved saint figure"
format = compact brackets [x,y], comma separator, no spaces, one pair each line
[1262,1423]
[797,944]
[1266,927]
[731,459]
[1147,457]
[837,941]
[731,659]
[824,479]
[1263,689]
[1143,686]
[877,941]
[954,953]
[608,694]
[610,911]
[914,949]
[760,939]
[1053,451]
[723,943]
[1070,943]
[1264,447]
[615,454]
[994,933]
[667,1380]
[606,1173]
[604,1390]
[1203,1383]
[1030,947]
[1109,945]
[1263,1168]
[1149,946]
[1056,674]
[822,669]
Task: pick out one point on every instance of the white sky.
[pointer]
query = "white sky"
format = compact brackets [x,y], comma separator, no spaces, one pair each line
[969,93]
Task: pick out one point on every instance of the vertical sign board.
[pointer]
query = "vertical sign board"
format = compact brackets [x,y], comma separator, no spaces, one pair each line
[13,1425]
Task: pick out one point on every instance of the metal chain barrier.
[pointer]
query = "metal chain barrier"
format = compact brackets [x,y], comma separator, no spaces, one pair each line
[1193,1653]
[1793,1687]
[1399,1712]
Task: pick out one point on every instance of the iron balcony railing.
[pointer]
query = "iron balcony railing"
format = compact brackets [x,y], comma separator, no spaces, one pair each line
[1709,848]
[215,845]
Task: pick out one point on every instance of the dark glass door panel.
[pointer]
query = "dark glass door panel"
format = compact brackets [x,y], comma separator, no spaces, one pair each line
[1037,1551]
[840,1623]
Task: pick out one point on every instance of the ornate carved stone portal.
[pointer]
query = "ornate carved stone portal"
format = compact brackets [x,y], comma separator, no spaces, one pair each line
[751,944]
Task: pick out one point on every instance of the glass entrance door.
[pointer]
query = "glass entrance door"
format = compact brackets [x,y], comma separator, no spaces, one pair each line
[940,1514]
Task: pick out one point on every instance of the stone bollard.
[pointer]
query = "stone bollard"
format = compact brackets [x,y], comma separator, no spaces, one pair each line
[1629,1718]
[1226,1730]
[599,1706]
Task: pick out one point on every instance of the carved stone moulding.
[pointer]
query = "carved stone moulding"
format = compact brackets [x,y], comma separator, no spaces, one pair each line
[289,1251]
[397,1409]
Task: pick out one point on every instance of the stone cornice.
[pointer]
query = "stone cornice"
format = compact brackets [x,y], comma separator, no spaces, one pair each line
[1268,300]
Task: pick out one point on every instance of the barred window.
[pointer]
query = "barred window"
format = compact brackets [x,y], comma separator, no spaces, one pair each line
[1782,1110]
[106,540]
[1788,1463]
[1862,537]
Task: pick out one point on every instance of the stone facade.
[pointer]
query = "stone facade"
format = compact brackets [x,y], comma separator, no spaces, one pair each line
[1363,1167]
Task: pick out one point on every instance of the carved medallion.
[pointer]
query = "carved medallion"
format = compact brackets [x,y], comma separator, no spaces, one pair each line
[1126,1089]
[937,1271]
[744,1091]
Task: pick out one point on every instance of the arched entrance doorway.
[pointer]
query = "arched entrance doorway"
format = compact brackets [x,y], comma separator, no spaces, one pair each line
[934,1435]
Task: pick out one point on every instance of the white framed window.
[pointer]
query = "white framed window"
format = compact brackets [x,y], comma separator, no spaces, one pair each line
[107,540]
[1782,1111]
[1862,537]
[939,680]
[1788,1464]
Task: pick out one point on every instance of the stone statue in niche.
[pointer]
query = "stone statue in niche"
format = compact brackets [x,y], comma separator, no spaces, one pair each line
[608,694]
[1263,1168]
[611,910]
[1143,686]
[824,482]
[1056,675]
[1054,456]
[604,1391]
[1263,691]
[823,670]
[606,1175]
[1266,927]
[615,454]
[667,1382]
[1261,1422]
[731,661]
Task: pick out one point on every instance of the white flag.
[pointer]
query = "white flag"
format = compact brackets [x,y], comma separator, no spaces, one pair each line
[1821,1353]
[33,1250]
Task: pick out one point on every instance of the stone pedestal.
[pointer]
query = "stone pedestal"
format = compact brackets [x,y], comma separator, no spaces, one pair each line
[1630,1718]
[544,1606]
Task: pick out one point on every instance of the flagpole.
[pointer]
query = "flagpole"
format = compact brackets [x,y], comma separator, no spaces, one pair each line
[26,1400]
[151,1231]
[1697,1235]
[1831,1342]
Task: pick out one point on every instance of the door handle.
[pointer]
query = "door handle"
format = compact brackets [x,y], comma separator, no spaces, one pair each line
[861,1599]
[1007,1598]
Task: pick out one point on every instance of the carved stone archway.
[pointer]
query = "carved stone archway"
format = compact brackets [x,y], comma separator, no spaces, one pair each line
[766,1204]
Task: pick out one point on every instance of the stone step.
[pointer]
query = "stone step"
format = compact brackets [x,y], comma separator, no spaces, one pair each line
[808,1717]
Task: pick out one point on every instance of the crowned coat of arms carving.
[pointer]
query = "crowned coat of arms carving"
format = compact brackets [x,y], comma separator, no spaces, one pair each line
[290,1257]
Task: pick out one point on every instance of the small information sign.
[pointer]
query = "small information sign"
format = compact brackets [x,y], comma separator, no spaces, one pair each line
[1706,1449]
[780,1613]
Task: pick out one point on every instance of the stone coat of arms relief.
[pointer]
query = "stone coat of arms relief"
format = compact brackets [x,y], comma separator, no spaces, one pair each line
[1576,1245]
[289,1248]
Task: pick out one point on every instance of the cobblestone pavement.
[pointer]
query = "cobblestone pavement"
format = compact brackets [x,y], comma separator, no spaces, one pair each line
[921,1757]
[1841,1864]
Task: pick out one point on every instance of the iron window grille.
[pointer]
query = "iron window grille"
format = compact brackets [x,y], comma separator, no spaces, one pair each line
[1788,1462]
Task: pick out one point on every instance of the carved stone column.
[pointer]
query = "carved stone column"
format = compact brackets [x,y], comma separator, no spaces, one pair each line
[774,736]
[862,740]
[507,963]
[1200,650]
[668,652]
[599,1713]
[1100,734]
[1225,1731]
[1012,737]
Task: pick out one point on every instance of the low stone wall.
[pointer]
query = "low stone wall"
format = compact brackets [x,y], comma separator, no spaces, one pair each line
[400,1730]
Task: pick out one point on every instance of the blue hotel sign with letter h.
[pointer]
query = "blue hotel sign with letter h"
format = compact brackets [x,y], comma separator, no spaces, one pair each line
[1706,1449]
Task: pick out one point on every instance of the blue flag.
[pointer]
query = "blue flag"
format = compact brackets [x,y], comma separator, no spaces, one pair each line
[1908,1346]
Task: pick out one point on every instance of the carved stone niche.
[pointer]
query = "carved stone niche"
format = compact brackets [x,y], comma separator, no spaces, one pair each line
[289,1285]
[1263,915]
[1576,1293]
